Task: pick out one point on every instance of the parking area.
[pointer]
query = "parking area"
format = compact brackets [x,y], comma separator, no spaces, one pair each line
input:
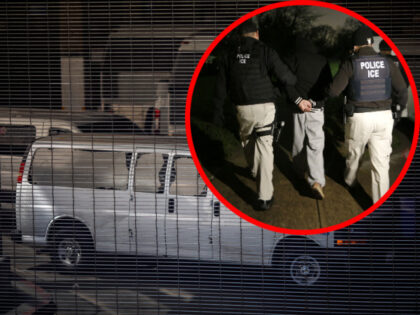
[129,285]
[93,291]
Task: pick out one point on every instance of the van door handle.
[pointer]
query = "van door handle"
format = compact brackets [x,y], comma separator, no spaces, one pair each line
[216,208]
[171,205]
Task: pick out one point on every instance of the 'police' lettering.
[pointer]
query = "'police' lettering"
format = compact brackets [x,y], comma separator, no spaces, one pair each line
[243,58]
[372,67]
[372,64]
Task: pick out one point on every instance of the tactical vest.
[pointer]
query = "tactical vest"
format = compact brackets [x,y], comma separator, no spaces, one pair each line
[371,79]
[248,73]
[246,63]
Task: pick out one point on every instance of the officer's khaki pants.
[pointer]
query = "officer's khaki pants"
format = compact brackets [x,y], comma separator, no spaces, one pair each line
[308,145]
[375,130]
[258,151]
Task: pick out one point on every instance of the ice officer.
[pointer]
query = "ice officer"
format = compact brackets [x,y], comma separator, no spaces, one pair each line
[371,80]
[245,72]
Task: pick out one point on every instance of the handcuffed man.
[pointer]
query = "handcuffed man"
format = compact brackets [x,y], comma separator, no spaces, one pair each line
[313,78]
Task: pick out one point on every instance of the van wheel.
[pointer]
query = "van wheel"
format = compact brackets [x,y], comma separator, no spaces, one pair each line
[300,265]
[72,249]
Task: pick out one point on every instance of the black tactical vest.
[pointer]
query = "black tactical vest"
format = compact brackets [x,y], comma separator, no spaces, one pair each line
[249,80]
[371,79]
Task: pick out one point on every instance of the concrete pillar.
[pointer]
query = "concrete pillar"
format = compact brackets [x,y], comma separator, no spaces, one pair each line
[72,52]
[72,83]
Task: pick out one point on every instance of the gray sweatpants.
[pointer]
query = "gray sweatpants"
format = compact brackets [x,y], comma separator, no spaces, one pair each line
[308,145]
[258,151]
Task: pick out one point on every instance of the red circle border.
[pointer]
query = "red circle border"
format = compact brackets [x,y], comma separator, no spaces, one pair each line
[194,81]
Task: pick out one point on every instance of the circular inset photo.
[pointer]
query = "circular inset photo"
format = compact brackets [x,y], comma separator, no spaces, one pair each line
[301,117]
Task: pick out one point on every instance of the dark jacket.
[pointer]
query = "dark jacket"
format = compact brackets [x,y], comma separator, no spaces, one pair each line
[396,61]
[246,74]
[312,72]
[345,74]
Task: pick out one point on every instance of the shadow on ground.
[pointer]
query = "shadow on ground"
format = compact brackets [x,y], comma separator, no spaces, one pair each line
[294,206]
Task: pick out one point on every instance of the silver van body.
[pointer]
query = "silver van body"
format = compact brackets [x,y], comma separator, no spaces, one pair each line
[135,195]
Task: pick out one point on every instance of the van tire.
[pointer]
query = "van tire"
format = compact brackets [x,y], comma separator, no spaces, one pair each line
[72,249]
[301,265]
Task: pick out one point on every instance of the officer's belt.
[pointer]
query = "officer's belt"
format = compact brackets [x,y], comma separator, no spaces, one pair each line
[262,133]
[360,109]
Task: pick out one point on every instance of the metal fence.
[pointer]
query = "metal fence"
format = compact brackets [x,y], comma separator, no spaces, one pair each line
[102,208]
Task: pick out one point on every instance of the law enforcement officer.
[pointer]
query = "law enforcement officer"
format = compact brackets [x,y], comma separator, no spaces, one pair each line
[370,80]
[313,77]
[386,51]
[246,73]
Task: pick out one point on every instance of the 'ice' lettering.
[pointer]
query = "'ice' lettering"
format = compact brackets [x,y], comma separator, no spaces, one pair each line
[373,73]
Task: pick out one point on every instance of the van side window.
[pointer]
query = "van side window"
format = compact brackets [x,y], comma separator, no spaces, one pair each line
[185,180]
[150,172]
[15,139]
[79,169]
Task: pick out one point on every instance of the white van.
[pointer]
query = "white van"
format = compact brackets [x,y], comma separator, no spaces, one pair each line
[20,127]
[189,54]
[146,71]
[136,73]
[78,194]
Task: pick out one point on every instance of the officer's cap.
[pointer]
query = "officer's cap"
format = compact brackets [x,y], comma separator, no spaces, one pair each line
[384,46]
[363,36]
[249,26]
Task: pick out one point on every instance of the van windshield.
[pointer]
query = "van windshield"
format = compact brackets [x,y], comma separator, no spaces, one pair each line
[141,54]
[126,59]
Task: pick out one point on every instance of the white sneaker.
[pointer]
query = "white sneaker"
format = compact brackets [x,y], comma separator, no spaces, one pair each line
[318,191]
